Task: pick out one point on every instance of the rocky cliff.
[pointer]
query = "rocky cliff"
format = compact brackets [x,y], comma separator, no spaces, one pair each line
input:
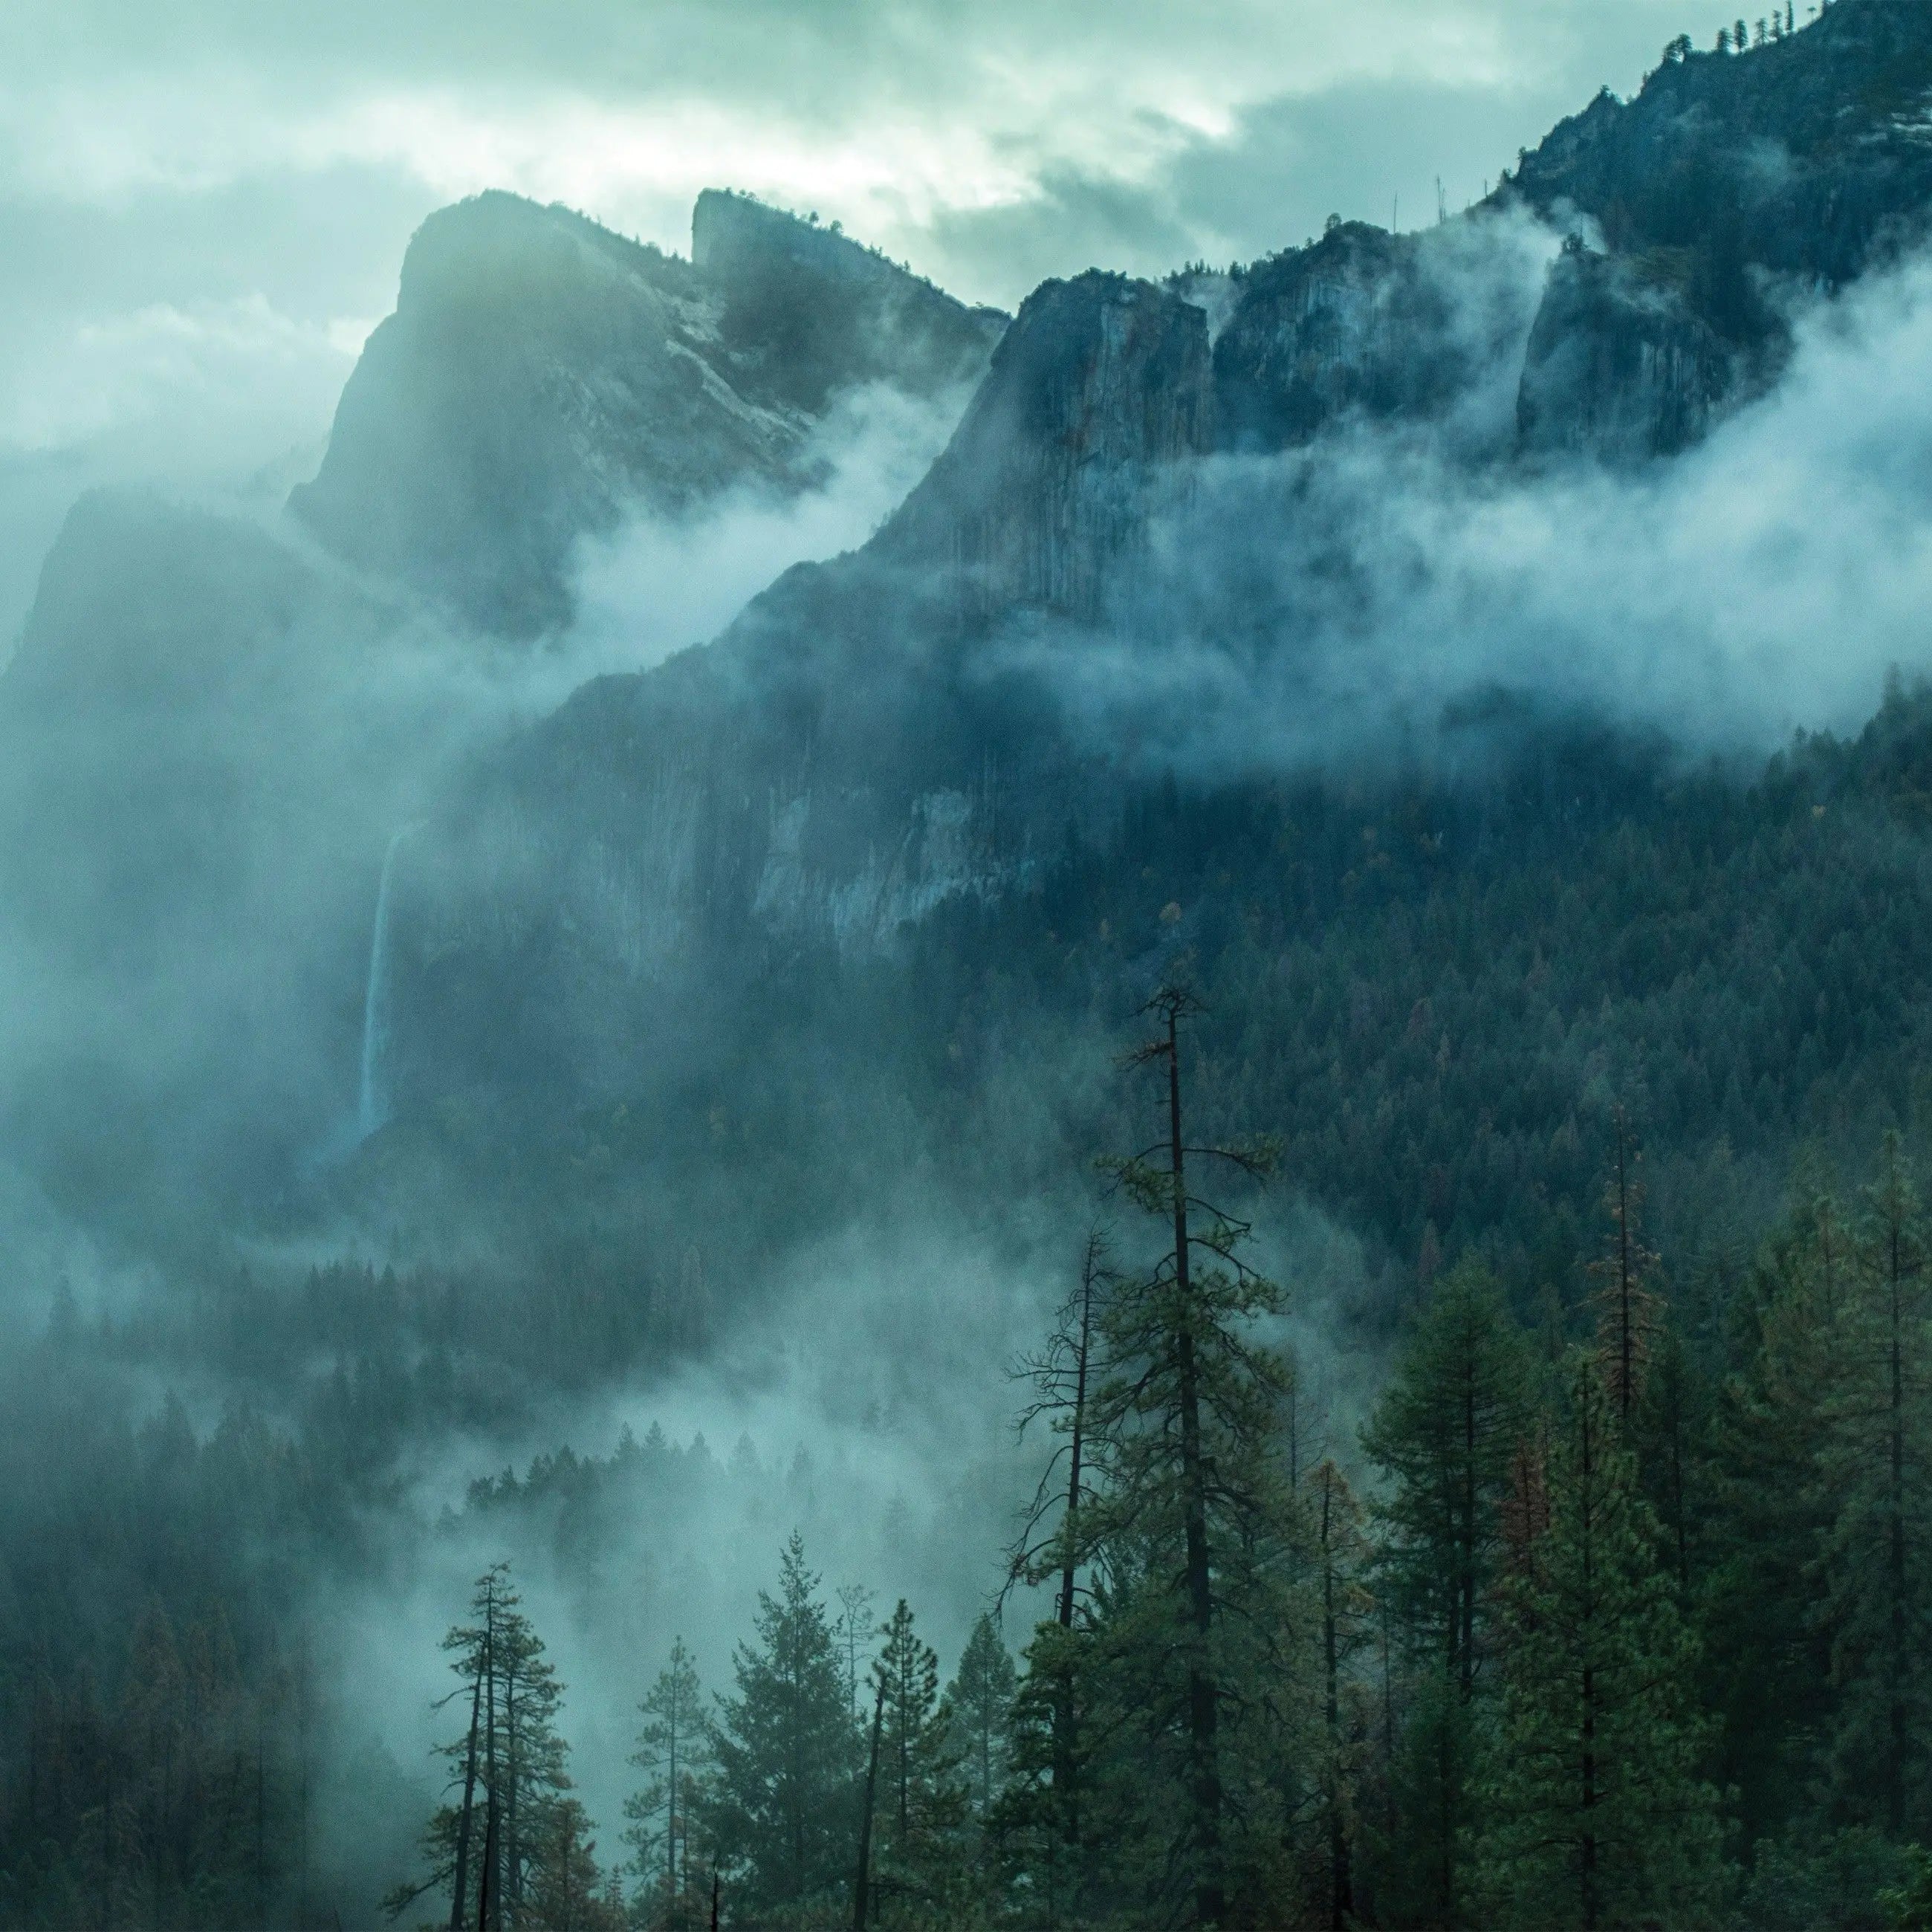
[870,738]
[214,724]
[1739,183]
[885,737]
[541,375]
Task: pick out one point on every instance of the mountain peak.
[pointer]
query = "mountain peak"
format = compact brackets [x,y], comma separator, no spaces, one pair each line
[542,375]
[502,245]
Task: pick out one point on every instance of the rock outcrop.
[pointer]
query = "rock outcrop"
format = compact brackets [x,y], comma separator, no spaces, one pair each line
[540,375]
[1736,185]
[1618,367]
[1101,392]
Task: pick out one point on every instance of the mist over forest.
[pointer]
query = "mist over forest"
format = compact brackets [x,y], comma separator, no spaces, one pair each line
[850,1077]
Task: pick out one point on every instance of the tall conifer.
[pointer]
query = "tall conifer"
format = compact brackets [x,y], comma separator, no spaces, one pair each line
[1596,1813]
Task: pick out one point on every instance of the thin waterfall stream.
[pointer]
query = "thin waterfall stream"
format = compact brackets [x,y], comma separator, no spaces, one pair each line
[372,1107]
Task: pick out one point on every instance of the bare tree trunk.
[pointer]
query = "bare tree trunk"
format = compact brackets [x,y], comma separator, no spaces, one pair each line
[1588,1846]
[862,1879]
[1895,1768]
[1341,1874]
[491,1921]
[1466,1583]
[670,1809]
[1626,1340]
[1089,1275]
[1203,1698]
[486,1897]
[460,1895]
[513,1887]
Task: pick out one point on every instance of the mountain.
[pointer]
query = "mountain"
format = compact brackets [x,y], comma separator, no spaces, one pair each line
[216,721]
[892,743]
[890,729]
[931,729]
[542,376]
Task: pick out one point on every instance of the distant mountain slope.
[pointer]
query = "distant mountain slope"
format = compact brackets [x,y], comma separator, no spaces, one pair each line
[885,742]
[540,374]
[213,728]
[867,742]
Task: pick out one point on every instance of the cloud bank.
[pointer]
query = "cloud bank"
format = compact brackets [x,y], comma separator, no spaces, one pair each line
[1340,603]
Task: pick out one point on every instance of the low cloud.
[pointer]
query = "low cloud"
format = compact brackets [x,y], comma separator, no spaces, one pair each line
[658,584]
[1332,603]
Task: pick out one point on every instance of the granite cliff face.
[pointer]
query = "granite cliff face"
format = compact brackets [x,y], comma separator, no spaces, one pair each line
[1736,186]
[1102,393]
[860,746]
[878,737]
[1618,367]
[214,723]
[540,375]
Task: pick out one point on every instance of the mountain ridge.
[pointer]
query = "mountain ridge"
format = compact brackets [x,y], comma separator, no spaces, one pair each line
[542,377]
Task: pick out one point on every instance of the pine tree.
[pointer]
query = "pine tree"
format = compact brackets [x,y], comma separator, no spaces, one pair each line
[1424,1853]
[507,1766]
[853,1633]
[781,1803]
[1595,1812]
[452,1842]
[566,1893]
[1626,1301]
[1073,1818]
[1762,1602]
[1190,1519]
[1052,1545]
[1669,1430]
[921,1798]
[979,1713]
[1062,1374]
[1444,1435]
[531,1753]
[672,1750]
[1878,1551]
[1340,1555]
[1448,1435]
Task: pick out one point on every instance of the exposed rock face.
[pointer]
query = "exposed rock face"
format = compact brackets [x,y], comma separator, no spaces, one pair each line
[837,765]
[845,757]
[1732,183]
[1617,367]
[541,373]
[1101,388]
[1350,324]
[804,313]
[1409,328]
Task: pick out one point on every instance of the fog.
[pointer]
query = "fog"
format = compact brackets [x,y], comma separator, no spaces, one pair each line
[655,585]
[1343,610]
[1369,599]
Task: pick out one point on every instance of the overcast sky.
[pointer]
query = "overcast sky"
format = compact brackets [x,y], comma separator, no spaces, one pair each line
[203,202]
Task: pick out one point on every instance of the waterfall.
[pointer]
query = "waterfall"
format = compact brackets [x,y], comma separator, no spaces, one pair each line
[372,1107]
